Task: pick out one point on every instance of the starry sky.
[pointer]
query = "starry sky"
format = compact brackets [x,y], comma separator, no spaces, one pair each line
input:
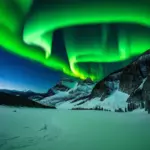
[49,39]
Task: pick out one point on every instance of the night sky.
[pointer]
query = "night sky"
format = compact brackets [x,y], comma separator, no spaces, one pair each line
[44,40]
[22,74]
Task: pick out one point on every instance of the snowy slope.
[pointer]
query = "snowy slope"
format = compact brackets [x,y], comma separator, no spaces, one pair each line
[114,102]
[55,98]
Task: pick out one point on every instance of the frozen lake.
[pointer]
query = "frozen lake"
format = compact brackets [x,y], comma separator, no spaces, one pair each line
[45,129]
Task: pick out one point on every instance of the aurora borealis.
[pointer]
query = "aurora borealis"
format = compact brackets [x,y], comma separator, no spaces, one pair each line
[94,32]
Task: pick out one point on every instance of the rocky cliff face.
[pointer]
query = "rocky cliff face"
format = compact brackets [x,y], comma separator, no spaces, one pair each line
[134,80]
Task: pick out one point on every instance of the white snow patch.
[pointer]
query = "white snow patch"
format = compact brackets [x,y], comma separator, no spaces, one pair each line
[54,98]
[67,105]
[139,111]
[141,85]
[90,103]
[115,101]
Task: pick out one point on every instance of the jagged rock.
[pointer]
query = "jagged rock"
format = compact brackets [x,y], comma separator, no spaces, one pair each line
[136,96]
[130,78]
[60,87]
[50,93]
[106,87]
[141,96]
[88,81]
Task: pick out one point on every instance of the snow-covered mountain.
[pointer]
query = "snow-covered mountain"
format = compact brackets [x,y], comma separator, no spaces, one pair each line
[26,94]
[79,97]
[74,92]
[123,90]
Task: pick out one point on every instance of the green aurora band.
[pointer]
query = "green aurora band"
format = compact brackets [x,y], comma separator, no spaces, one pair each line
[27,30]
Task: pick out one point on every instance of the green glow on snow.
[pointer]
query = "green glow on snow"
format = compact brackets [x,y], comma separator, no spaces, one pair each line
[90,45]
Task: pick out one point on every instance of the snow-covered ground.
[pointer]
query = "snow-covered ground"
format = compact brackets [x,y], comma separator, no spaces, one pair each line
[46,129]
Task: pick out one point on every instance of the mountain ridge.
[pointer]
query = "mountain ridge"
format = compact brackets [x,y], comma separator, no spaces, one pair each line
[112,93]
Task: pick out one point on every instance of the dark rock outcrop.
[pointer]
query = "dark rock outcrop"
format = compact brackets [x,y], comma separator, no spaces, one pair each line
[107,86]
[50,93]
[88,81]
[60,87]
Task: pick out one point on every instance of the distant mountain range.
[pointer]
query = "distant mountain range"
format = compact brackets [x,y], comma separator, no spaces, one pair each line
[12,100]
[25,94]
[124,90]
